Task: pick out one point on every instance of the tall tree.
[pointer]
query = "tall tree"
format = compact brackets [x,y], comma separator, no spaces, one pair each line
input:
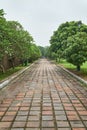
[65,40]
[15,42]
[3,42]
[76,52]
[35,52]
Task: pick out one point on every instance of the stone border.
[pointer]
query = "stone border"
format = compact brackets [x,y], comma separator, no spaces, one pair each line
[14,76]
[75,76]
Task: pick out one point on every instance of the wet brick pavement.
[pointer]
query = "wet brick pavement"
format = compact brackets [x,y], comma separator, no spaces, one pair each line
[45,97]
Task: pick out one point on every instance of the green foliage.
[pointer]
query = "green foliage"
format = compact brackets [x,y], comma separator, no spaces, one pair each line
[76,53]
[15,42]
[44,51]
[10,72]
[2,13]
[35,52]
[66,64]
[70,41]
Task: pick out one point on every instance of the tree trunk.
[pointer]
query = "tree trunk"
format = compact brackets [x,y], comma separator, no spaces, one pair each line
[12,63]
[3,69]
[13,66]
[59,59]
[78,67]
[26,62]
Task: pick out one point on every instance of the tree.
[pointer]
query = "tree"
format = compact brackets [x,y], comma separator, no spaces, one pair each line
[12,37]
[42,50]
[3,41]
[76,52]
[2,13]
[15,42]
[25,40]
[68,40]
[35,52]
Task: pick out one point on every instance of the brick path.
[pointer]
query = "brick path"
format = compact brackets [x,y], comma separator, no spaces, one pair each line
[44,98]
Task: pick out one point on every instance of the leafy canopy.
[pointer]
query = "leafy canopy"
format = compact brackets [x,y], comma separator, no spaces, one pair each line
[70,41]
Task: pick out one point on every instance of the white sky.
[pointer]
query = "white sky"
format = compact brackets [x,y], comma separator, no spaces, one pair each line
[42,17]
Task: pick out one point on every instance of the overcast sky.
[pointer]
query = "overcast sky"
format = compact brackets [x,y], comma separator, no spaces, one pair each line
[42,17]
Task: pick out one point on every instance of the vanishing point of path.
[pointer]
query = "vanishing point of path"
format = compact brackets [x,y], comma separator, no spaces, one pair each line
[45,97]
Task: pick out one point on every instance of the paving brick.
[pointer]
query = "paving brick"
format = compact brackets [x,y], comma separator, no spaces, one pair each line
[48,129]
[47,118]
[67,104]
[13,108]
[63,124]
[2,113]
[3,109]
[61,117]
[73,117]
[25,104]
[18,129]
[33,124]
[5,105]
[18,124]
[80,108]
[77,124]
[32,129]
[85,122]
[78,105]
[8,118]
[5,124]
[47,112]
[84,117]
[79,129]
[22,113]
[33,113]
[21,118]
[64,129]
[8,101]
[46,108]
[83,113]
[45,97]
[34,118]
[47,124]
[69,108]
[35,108]
[59,112]
[24,108]
[10,113]
[58,108]
[69,113]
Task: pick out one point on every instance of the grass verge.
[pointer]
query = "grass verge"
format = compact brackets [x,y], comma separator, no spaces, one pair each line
[10,72]
[82,73]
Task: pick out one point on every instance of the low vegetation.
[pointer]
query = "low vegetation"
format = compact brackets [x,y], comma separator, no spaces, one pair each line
[10,72]
[82,73]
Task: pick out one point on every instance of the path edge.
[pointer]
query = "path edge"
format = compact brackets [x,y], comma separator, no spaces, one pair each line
[74,75]
[5,82]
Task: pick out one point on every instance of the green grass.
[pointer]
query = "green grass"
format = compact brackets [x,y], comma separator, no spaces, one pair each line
[10,72]
[71,67]
[67,65]
[84,68]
